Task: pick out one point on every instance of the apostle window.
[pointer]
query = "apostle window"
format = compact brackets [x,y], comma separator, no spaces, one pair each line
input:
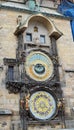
[28,37]
[42,39]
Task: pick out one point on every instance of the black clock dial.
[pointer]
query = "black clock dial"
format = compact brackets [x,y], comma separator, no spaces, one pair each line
[39,68]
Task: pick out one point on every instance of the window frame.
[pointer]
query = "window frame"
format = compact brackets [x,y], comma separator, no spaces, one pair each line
[11,72]
[28,37]
[42,39]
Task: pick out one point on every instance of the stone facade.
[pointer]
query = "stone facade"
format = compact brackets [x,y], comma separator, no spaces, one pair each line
[8,46]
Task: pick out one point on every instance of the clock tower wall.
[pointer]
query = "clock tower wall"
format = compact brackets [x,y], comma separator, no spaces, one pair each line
[8,46]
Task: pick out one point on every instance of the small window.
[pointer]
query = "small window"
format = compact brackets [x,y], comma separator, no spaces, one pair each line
[11,72]
[42,38]
[29,37]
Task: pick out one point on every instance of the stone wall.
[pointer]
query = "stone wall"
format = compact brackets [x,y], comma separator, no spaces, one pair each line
[65,47]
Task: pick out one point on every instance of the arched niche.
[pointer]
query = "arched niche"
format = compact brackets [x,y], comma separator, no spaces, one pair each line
[53,31]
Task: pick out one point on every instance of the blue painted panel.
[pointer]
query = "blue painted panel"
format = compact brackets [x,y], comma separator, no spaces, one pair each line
[67,9]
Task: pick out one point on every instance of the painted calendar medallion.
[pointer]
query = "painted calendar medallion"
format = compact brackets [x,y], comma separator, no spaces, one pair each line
[42,105]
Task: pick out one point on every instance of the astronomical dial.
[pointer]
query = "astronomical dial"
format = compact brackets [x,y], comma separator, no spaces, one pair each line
[42,105]
[39,66]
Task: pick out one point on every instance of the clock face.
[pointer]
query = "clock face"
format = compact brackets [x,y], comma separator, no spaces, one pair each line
[42,105]
[39,66]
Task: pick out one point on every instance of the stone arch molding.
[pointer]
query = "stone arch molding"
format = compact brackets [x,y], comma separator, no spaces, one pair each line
[53,31]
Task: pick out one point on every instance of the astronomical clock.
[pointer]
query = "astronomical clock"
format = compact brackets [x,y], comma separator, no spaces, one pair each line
[39,67]
[34,73]
[41,86]
[41,100]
